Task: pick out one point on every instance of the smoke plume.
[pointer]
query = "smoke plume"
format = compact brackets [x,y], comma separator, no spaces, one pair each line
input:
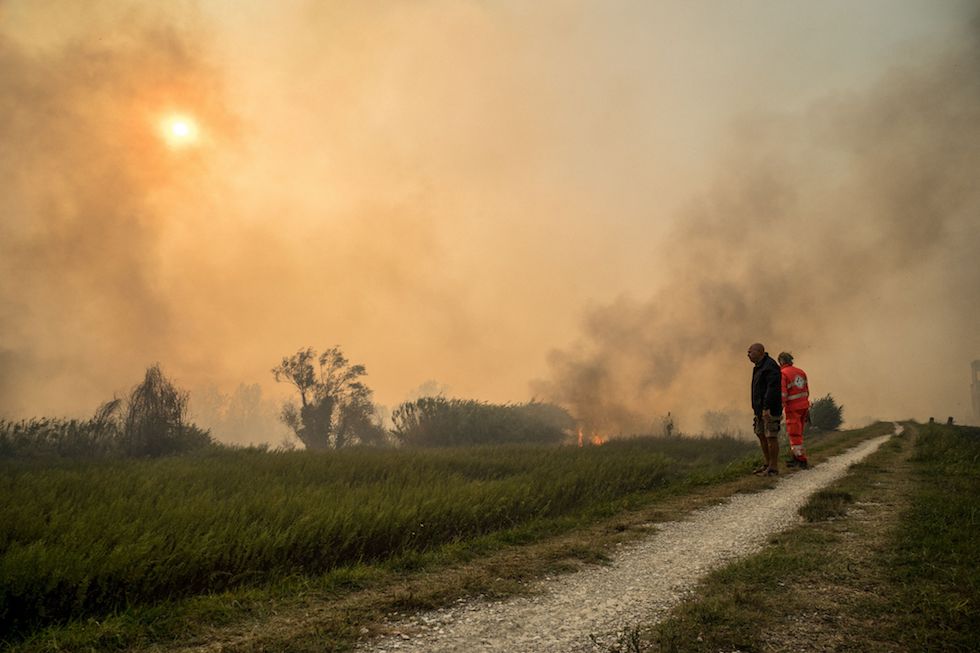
[440,187]
[849,235]
[83,270]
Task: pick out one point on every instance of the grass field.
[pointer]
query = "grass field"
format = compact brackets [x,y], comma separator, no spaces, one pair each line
[886,562]
[303,552]
[80,541]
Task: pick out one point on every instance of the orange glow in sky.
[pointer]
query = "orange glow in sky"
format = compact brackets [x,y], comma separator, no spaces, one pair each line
[492,201]
[180,131]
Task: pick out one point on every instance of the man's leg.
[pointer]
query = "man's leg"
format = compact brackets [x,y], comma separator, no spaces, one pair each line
[772,442]
[760,432]
[794,429]
[773,452]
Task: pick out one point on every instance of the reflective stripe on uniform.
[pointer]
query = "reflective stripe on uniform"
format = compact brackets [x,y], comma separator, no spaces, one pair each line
[798,396]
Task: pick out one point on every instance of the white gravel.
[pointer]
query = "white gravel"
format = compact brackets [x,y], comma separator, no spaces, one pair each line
[587,611]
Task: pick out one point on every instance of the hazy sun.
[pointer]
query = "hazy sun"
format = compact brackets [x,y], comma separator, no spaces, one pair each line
[179,131]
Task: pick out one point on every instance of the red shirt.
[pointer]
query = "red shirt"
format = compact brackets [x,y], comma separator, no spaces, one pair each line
[796,389]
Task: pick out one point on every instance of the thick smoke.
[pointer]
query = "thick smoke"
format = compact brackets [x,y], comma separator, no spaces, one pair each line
[849,235]
[83,276]
[440,186]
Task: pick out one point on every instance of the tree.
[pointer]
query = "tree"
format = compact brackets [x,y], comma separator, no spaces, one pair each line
[826,415]
[335,407]
[155,421]
[244,416]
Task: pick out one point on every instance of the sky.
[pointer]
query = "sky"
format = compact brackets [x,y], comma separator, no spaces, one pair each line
[600,204]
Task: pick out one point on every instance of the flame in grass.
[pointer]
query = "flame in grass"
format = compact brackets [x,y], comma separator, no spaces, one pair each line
[596,440]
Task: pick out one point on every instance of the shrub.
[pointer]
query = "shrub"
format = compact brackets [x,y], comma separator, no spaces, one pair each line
[440,422]
[155,424]
[150,423]
[826,415]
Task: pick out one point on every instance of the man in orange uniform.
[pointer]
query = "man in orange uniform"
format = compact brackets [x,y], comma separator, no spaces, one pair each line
[796,405]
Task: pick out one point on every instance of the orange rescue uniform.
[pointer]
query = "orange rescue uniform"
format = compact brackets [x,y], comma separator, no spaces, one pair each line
[796,404]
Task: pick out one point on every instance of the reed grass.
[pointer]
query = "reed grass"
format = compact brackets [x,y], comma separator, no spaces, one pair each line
[80,539]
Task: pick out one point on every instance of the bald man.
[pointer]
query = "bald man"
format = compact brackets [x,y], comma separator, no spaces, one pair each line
[767,407]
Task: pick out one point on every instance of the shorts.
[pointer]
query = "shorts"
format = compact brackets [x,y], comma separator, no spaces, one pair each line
[768,428]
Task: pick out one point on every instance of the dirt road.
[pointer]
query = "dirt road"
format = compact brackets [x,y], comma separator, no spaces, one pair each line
[586,611]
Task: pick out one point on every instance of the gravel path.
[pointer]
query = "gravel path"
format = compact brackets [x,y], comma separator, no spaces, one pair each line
[585,611]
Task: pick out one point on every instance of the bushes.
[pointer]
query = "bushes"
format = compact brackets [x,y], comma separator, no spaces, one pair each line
[826,415]
[154,424]
[150,423]
[439,422]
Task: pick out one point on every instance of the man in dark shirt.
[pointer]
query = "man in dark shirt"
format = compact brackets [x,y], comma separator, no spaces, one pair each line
[767,407]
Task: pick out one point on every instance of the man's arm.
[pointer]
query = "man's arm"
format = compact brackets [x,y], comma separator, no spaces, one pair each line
[785,388]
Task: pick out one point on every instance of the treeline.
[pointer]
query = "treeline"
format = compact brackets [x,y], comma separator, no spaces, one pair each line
[335,411]
[151,421]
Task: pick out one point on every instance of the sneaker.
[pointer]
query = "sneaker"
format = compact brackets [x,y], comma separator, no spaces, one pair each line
[793,462]
[802,464]
[772,472]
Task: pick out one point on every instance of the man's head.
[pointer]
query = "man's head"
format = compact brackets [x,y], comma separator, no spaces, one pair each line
[756,352]
[785,358]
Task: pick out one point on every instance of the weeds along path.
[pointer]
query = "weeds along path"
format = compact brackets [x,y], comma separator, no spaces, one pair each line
[587,611]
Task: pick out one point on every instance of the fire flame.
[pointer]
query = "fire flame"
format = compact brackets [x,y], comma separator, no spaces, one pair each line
[596,440]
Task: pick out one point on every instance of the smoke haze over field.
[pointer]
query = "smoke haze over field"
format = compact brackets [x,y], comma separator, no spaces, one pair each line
[849,234]
[597,203]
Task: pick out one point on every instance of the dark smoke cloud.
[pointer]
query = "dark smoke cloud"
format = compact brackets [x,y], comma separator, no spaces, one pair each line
[849,235]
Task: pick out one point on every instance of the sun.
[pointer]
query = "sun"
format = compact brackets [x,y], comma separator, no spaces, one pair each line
[180,130]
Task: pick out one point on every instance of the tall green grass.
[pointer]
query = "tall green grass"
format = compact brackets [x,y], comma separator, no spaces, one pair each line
[82,539]
[879,580]
[58,438]
[937,551]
